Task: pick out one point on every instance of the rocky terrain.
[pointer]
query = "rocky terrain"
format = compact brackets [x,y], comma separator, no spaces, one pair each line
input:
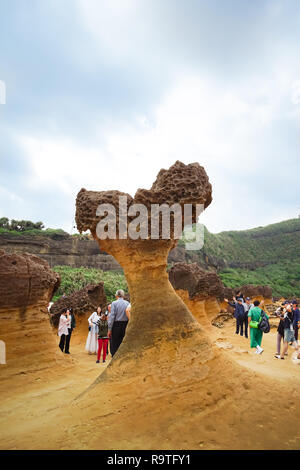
[175,382]
[200,290]
[60,250]
[26,286]
[264,255]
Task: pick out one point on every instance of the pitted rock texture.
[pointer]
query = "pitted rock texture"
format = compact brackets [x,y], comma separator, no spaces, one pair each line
[87,203]
[249,290]
[200,283]
[180,184]
[144,262]
[27,284]
[25,280]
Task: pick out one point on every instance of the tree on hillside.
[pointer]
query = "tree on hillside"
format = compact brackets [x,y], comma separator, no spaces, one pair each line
[20,225]
[4,222]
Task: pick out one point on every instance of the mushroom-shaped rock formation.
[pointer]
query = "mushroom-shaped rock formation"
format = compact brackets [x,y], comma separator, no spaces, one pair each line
[199,289]
[83,302]
[161,328]
[27,284]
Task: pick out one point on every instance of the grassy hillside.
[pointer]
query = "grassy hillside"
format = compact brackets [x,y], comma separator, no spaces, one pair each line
[73,279]
[272,243]
[264,256]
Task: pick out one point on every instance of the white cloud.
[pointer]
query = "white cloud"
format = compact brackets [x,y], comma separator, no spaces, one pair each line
[196,121]
[11,196]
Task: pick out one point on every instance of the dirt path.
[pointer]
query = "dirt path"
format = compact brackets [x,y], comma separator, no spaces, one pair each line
[32,403]
[28,398]
[238,348]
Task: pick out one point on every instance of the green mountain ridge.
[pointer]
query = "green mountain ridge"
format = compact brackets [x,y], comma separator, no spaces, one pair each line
[263,256]
[267,255]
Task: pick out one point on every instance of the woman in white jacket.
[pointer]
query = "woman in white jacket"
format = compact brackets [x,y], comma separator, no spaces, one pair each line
[92,340]
[64,324]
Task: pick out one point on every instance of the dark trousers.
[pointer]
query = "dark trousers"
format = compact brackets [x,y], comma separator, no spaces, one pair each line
[240,323]
[68,339]
[296,333]
[117,335]
[64,343]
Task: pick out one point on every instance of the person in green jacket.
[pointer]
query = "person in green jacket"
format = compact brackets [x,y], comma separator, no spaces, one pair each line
[255,333]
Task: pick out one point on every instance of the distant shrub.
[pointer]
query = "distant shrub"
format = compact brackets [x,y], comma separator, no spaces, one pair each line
[73,279]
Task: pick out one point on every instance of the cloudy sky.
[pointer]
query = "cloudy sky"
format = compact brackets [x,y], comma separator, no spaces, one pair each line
[101,94]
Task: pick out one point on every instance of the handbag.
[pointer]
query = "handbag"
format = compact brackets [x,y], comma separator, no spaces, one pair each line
[254,324]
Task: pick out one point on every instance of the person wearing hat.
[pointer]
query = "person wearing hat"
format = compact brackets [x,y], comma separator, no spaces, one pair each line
[239,314]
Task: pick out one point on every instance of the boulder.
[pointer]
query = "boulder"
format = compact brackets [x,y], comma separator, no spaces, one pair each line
[27,284]
[199,283]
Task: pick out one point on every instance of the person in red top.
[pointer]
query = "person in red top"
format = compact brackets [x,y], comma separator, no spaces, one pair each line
[102,336]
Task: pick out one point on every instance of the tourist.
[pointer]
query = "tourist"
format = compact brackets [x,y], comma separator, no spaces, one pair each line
[108,310]
[107,313]
[239,295]
[239,314]
[296,320]
[247,306]
[128,311]
[102,336]
[92,340]
[63,328]
[255,333]
[280,329]
[117,321]
[289,333]
[70,329]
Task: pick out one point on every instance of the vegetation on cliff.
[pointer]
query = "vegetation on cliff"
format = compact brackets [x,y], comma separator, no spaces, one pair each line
[73,279]
[265,255]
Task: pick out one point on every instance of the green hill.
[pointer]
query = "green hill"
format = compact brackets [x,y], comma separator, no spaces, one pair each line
[263,256]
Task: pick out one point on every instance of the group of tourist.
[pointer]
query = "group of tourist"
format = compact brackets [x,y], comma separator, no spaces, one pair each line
[106,328]
[253,314]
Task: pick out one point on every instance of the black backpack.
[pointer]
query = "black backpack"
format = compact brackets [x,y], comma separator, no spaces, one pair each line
[264,324]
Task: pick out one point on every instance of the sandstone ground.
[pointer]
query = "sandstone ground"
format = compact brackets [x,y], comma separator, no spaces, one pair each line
[38,410]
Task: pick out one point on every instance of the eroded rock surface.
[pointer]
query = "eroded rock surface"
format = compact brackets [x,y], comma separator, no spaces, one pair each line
[27,284]
[199,289]
[199,283]
[249,290]
[83,302]
[25,281]
[159,320]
